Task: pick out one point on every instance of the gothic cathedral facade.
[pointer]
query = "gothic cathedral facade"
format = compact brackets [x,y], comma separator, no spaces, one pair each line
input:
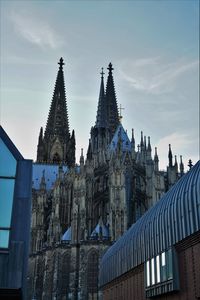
[78,211]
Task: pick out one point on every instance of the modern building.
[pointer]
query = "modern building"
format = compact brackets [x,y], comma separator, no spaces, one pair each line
[15,217]
[78,211]
[159,255]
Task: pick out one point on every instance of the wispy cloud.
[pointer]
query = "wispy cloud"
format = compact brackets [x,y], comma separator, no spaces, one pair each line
[151,75]
[180,143]
[35,31]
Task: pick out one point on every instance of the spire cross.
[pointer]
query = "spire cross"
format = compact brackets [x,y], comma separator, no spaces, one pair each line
[110,68]
[102,73]
[120,111]
[61,62]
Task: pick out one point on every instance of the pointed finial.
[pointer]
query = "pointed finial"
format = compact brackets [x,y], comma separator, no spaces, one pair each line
[145,143]
[141,142]
[175,163]
[102,73]
[81,157]
[181,166]
[190,165]
[61,63]
[120,112]
[110,68]
[149,144]
[156,160]
[132,133]
[156,151]
[42,181]
[41,134]
[170,156]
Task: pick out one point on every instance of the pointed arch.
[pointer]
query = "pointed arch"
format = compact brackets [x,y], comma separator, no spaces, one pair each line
[92,274]
[65,274]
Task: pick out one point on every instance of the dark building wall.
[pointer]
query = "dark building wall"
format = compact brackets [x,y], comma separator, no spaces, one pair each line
[131,286]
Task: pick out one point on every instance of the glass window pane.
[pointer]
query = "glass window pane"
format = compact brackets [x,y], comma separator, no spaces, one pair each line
[169,264]
[158,268]
[163,267]
[152,272]
[4,238]
[163,259]
[6,201]
[148,273]
[7,161]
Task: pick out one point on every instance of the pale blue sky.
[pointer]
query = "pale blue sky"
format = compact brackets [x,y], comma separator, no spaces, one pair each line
[153,46]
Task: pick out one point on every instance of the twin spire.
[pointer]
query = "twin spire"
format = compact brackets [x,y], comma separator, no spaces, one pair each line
[57,145]
[107,112]
[58,123]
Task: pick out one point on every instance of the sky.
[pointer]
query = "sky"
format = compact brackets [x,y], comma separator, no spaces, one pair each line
[154,49]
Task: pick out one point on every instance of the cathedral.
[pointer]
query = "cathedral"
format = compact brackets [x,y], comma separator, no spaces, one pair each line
[80,210]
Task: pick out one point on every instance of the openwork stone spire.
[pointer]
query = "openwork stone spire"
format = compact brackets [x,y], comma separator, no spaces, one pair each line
[57,146]
[111,101]
[57,123]
[101,119]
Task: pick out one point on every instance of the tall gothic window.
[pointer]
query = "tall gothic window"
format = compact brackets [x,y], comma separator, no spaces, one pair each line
[92,275]
[65,276]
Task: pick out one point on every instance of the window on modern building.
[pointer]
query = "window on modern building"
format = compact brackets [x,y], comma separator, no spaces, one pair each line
[7,161]
[4,238]
[160,270]
[6,201]
[7,181]
[147,273]
[152,271]
[163,267]
[169,265]
[157,268]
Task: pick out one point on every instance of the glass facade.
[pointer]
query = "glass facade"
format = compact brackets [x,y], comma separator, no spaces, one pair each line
[7,182]
[6,201]
[4,238]
[7,161]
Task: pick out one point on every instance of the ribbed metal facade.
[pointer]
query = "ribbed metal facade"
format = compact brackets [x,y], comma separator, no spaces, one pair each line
[175,217]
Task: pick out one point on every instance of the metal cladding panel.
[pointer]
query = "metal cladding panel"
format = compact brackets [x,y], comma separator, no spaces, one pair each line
[175,217]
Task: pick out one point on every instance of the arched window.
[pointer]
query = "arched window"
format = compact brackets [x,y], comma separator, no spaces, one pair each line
[39,277]
[56,158]
[65,276]
[92,275]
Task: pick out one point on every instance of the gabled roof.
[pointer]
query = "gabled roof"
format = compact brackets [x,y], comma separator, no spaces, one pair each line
[99,230]
[67,236]
[9,144]
[120,136]
[173,218]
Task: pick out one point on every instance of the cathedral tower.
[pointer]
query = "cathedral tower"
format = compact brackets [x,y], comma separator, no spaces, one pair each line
[56,145]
